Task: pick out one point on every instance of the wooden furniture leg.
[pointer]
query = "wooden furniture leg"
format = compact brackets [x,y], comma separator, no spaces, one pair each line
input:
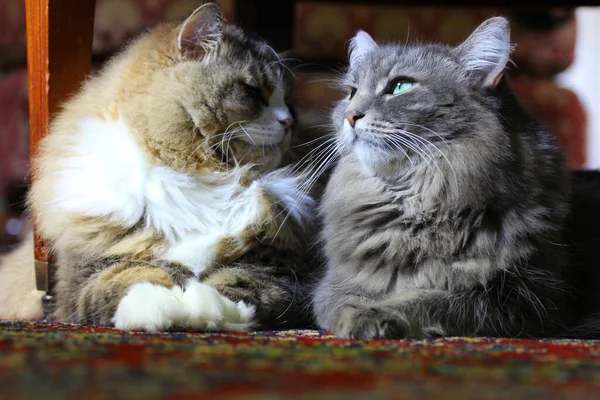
[59,49]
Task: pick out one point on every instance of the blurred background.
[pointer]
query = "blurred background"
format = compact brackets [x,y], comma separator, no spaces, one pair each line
[556,74]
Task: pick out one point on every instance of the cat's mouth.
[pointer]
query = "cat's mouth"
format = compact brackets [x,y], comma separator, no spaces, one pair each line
[261,139]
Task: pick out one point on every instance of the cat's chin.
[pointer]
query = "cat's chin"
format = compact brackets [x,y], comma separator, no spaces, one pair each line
[375,161]
[264,159]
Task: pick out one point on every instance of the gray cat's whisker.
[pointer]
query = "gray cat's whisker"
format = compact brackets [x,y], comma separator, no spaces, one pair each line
[309,177]
[307,158]
[414,146]
[304,188]
[331,81]
[310,142]
[280,226]
[307,182]
[323,159]
[445,141]
[429,143]
[328,125]
[323,167]
[295,200]
[423,150]
[395,146]
[402,150]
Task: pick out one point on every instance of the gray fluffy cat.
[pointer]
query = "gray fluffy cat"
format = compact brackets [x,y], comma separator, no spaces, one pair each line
[449,210]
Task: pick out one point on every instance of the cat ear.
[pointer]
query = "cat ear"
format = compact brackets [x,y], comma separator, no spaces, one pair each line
[202,31]
[485,53]
[361,44]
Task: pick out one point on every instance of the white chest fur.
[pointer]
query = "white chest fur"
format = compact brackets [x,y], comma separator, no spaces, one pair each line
[105,174]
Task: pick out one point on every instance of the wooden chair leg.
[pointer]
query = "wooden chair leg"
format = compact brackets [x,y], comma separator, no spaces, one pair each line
[59,49]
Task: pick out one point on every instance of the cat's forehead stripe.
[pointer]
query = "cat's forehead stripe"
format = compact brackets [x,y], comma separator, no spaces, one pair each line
[389,62]
[261,58]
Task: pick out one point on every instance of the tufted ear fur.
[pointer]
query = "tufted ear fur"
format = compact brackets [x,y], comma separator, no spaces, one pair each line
[361,44]
[485,53]
[201,32]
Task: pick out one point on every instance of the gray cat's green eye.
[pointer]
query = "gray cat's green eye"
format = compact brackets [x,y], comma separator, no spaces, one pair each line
[402,87]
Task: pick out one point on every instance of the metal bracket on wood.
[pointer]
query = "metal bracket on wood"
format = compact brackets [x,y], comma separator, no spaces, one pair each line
[44,282]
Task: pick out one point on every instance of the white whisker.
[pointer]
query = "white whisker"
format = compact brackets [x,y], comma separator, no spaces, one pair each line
[427,145]
[325,158]
[402,150]
[307,157]
[310,142]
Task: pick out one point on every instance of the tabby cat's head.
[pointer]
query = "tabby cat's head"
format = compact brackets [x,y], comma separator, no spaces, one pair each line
[399,97]
[228,87]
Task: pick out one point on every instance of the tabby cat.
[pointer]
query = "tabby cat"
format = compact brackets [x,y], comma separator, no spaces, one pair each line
[450,211]
[159,191]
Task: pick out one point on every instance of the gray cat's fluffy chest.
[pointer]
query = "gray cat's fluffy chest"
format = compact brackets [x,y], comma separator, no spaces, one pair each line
[388,240]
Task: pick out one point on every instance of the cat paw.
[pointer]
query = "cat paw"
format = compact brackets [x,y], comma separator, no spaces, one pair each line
[363,322]
[197,307]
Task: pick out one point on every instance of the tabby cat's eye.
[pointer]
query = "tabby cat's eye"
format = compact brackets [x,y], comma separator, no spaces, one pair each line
[401,87]
[352,92]
[258,94]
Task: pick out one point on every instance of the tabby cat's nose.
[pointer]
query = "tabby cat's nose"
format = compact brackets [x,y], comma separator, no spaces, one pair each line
[287,122]
[352,117]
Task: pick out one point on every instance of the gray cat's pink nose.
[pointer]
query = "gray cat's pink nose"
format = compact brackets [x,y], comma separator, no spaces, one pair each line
[352,117]
[285,122]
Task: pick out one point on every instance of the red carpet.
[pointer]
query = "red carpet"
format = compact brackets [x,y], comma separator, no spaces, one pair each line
[44,361]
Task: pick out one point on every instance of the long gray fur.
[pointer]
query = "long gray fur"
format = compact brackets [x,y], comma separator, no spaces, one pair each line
[445,214]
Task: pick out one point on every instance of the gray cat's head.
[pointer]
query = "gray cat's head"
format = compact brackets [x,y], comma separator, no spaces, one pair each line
[402,96]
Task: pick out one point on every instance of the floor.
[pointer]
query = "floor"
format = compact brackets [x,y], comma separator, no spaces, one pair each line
[43,361]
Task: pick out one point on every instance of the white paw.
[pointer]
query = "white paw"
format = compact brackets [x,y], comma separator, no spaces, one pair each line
[209,310]
[288,189]
[199,307]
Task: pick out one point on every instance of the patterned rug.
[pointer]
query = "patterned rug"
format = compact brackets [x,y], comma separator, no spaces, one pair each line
[59,361]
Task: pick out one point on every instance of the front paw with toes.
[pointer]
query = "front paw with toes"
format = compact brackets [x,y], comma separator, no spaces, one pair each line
[195,307]
[371,322]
